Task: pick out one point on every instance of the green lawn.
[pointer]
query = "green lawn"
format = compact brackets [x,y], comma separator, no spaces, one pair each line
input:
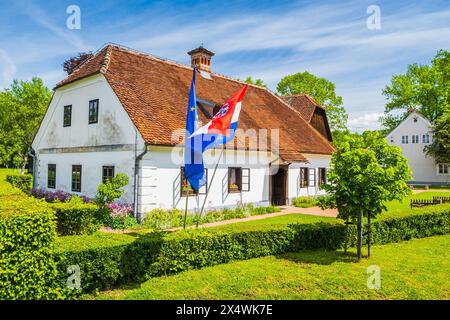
[402,208]
[416,269]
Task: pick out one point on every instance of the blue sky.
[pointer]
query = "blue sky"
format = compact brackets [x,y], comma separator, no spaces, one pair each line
[264,39]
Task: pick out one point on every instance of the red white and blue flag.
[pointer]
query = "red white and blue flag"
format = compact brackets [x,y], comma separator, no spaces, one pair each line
[218,131]
[222,127]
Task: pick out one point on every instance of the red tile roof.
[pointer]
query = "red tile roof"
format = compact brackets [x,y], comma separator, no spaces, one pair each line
[302,103]
[154,92]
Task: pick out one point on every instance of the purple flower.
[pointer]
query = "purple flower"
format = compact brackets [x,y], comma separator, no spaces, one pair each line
[119,209]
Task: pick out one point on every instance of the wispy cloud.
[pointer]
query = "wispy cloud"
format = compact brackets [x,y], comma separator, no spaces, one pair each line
[7,69]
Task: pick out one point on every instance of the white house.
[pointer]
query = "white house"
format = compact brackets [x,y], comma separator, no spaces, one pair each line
[122,111]
[412,135]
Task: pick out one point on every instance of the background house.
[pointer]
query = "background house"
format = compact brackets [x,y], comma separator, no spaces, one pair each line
[119,110]
[412,135]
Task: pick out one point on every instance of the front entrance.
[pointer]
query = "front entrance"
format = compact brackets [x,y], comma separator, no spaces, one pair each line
[278,194]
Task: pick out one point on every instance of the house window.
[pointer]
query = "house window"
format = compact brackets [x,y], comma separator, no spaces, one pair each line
[51,176]
[304,179]
[426,138]
[93,111]
[234,180]
[312,177]
[76,178]
[108,173]
[415,138]
[322,176]
[67,122]
[404,139]
[186,189]
[443,169]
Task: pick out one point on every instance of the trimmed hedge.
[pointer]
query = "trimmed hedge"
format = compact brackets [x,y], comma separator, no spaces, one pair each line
[76,218]
[20,181]
[167,253]
[27,267]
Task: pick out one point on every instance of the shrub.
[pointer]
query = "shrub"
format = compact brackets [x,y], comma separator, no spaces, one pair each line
[304,202]
[164,219]
[120,216]
[56,196]
[28,270]
[111,189]
[20,181]
[76,217]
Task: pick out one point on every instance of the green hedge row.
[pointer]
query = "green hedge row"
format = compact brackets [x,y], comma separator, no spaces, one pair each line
[76,218]
[20,181]
[162,253]
[27,267]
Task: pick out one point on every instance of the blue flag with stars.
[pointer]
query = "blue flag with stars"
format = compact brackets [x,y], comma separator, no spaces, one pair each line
[194,168]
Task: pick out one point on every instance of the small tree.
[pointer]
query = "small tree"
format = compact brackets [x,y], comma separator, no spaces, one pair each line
[365,173]
[111,189]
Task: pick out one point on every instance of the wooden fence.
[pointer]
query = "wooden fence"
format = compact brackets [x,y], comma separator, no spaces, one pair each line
[417,203]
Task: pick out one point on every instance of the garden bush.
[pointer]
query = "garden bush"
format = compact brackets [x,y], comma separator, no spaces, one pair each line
[75,217]
[27,267]
[304,202]
[20,181]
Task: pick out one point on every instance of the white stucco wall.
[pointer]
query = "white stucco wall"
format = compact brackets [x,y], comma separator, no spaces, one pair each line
[112,141]
[160,179]
[315,161]
[159,186]
[423,167]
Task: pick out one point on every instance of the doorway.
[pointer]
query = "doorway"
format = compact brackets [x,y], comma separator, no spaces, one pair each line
[279,187]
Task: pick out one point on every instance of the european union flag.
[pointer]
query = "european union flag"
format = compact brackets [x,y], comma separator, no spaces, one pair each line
[194,168]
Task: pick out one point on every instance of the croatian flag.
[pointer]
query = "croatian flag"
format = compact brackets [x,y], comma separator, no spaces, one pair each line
[222,127]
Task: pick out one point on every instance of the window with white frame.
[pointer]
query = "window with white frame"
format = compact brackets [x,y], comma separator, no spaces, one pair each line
[415,138]
[404,139]
[442,169]
[426,138]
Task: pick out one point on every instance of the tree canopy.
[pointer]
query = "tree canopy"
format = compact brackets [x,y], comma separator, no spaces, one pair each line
[72,63]
[257,82]
[321,90]
[365,173]
[440,144]
[22,107]
[425,88]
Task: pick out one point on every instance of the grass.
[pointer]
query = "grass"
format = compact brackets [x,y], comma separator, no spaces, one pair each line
[416,269]
[402,208]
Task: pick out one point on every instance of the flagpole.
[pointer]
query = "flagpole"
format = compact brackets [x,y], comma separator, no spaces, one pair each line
[185,209]
[209,187]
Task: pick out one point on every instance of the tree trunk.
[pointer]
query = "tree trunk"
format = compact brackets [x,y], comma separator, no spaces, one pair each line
[360,234]
[346,236]
[369,234]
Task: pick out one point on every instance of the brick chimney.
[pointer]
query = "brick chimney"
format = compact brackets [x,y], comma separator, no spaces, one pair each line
[201,57]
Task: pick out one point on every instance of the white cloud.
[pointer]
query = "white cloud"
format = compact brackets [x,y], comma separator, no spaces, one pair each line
[369,121]
[7,69]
